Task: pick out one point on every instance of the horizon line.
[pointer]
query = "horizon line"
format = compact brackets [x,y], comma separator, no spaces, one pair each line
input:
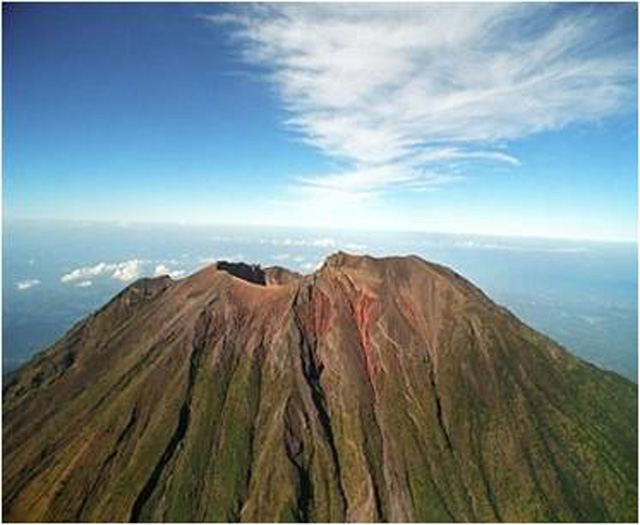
[204,224]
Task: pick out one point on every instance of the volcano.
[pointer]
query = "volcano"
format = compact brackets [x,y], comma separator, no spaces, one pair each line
[375,389]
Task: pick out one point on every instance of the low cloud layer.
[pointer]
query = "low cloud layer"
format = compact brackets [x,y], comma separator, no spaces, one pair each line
[321,242]
[162,269]
[409,96]
[27,283]
[124,271]
[520,248]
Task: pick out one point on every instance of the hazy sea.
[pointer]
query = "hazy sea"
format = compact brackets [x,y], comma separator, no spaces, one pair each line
[581,293]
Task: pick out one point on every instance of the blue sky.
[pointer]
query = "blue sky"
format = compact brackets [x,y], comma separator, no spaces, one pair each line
[516,119]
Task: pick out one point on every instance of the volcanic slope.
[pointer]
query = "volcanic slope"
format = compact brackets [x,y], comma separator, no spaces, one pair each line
[372,390]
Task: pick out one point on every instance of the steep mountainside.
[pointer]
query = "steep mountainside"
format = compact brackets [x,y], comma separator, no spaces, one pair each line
[374,389]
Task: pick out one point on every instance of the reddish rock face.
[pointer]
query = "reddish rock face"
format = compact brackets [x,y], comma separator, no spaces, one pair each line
[374,389]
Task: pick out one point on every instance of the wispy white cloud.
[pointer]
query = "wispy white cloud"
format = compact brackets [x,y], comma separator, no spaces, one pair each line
[128,270]
[325,242]
[87,271]
[123,271]
[205,261]
[310,266]
[27,283]
[320,242]
[162,269]
[401,96]
[479,245]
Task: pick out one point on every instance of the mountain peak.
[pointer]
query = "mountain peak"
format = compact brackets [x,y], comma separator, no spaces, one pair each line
[341,258]
[338,258]
[377,389]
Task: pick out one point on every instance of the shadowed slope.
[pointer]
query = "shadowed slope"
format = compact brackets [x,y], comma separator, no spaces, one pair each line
[373,389]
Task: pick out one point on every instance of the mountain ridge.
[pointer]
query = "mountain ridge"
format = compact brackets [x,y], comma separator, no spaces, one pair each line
[373,389]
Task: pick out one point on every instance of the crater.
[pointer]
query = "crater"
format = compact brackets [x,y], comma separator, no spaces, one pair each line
[251,273]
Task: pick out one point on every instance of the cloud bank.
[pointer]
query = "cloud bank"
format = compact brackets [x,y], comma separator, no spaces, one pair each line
[410,97]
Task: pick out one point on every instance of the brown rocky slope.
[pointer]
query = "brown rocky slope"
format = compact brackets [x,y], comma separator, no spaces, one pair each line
[374,389]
